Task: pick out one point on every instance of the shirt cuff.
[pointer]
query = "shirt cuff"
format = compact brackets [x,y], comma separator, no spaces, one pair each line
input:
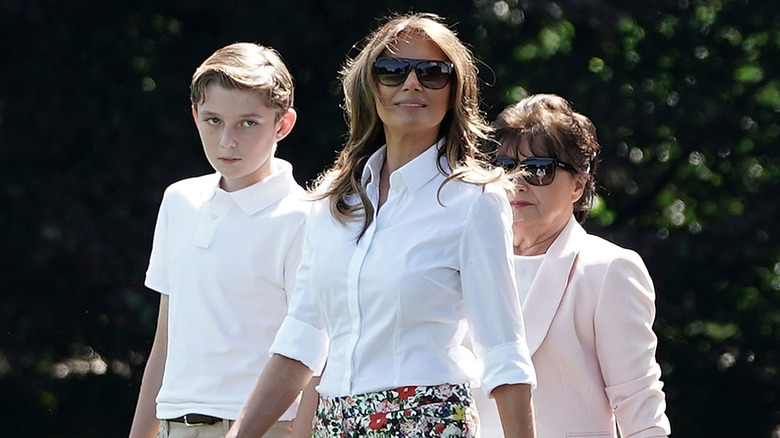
[156,285]
[507,364]
[302,342]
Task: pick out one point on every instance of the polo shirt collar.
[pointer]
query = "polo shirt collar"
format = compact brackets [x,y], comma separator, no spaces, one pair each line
[264,193]
[414,174]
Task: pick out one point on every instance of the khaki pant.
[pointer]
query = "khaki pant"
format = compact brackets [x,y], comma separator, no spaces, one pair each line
[170,429]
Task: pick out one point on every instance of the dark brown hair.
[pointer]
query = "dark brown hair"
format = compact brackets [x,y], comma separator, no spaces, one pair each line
[554,129]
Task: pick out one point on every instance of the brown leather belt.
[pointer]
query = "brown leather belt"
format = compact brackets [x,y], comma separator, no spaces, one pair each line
[197,420]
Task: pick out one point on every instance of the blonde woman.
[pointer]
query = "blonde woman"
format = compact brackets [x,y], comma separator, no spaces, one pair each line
[407,246]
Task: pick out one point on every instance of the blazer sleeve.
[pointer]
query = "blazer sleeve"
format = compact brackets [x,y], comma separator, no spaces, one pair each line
[626,345]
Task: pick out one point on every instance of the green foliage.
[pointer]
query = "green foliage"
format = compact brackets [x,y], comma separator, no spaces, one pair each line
[94,119]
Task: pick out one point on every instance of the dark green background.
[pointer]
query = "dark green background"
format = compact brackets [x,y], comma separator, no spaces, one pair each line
[95,123]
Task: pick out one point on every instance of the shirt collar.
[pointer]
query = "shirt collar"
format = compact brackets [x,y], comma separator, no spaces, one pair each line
[263,193]
[414,174]
[373,166]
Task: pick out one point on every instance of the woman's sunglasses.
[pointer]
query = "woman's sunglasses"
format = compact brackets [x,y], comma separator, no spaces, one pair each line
[536,171]
[431,74]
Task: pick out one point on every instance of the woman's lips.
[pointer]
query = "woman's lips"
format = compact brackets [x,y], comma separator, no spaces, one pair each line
[411,104]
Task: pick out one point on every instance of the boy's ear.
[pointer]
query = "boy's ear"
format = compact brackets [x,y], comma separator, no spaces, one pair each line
[195,114]
[286,123]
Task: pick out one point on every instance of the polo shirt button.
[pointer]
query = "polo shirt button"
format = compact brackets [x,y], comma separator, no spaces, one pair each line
[214,217]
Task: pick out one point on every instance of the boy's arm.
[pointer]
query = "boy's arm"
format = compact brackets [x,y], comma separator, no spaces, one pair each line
[515,410]
[145,422]
[280,382]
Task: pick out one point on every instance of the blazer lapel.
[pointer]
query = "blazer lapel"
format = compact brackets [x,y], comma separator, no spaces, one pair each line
[549,285]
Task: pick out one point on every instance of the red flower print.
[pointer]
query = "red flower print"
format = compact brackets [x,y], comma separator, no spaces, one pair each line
[406,392]
[378,420]
[439,428]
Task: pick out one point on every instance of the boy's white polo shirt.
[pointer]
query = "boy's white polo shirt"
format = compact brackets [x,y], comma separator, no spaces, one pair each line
[227,262]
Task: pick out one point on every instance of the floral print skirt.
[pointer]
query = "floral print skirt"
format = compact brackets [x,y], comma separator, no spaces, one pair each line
[406,412]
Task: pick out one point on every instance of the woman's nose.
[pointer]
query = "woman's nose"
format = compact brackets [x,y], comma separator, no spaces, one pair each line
[520,183]
[412,82]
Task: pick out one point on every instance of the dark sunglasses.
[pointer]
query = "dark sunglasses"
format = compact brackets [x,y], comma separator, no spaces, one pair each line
[536,171]
[431,74]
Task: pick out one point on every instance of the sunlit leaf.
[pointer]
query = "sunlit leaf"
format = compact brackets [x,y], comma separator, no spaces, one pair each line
[749,74]
[769,95]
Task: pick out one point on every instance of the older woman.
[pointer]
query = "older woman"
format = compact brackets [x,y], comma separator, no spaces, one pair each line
[400,256]
[589,304]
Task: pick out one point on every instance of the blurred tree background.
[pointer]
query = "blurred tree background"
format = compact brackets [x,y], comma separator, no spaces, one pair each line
[95,123]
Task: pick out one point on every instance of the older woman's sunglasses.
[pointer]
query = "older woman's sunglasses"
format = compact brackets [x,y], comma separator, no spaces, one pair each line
[536,171]
[431,74]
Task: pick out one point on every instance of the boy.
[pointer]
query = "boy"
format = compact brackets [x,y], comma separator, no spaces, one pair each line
[225,250]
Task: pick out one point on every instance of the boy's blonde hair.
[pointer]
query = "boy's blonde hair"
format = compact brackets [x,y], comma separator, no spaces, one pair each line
[246,66]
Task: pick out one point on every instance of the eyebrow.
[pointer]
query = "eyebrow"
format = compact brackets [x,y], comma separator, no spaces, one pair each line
[243,116]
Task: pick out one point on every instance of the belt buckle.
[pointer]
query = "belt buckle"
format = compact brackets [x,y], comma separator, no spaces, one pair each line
[188,424]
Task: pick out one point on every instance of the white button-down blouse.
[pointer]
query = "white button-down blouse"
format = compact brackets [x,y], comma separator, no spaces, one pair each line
[392,308]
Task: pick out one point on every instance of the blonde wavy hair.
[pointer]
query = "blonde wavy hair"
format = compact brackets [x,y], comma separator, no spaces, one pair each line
[463,127]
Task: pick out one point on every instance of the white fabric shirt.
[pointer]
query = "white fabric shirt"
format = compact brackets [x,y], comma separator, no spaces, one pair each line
[526,268]
[394,306]
[227,262]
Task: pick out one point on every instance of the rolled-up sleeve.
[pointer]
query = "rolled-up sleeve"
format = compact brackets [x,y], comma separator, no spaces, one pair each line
[302,335]
[490,296]
[302,342]
[626,347]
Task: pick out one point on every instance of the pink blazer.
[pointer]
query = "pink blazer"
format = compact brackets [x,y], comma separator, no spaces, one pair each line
[589,316]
